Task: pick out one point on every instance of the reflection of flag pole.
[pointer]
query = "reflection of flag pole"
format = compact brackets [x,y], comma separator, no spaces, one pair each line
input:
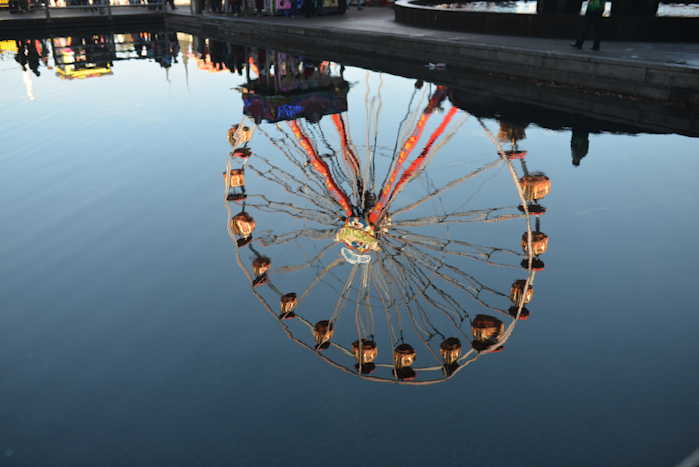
[185,42]
[28,86]
[185,61]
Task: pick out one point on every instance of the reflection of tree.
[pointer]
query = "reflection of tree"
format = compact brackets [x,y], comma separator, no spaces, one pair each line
[422,281]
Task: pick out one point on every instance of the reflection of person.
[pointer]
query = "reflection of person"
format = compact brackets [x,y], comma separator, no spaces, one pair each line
[593,21]
[33,57]
[21,55]
[579,144]
[309,8]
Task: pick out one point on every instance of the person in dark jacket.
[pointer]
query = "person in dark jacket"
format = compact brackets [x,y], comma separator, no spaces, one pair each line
[309,8]
[592,23]
[579,144]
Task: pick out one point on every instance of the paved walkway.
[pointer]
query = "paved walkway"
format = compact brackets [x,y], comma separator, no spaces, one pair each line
[380,20]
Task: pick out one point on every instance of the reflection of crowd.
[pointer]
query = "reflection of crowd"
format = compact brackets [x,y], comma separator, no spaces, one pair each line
[96,50]
[273,7]
[30,53]
[162,47]
[214,55]
[280,71]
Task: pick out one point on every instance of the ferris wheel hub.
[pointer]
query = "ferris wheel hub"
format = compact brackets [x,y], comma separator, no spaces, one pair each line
[358,235]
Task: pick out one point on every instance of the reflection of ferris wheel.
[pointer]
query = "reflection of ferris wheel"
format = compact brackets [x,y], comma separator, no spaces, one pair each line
[392,261]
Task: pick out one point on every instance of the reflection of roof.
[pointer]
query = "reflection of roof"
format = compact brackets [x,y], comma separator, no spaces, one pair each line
[287,85]
[312,104]
[83,73]
[522,113]
[206,64]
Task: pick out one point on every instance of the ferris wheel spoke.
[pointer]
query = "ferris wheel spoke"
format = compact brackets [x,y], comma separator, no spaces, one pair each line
[342,298]
[362,300]
[386,300]
[292,210]
[303,190]
[412,299]
[414,291]
[300,163]
[446,187]
[436,266]
[478,215]
[484,250]
[278,239]
[428,284]
[316,280]
[425,157]
[481,255]
[309,263]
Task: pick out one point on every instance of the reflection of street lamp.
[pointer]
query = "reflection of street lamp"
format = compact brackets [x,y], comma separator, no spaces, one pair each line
[28,85]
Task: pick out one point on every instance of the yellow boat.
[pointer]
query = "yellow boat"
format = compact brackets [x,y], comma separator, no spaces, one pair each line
[71,73]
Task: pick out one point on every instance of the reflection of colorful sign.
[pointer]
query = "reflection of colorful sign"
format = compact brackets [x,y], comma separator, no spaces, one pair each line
[4,3]
[311,105]
[8,46]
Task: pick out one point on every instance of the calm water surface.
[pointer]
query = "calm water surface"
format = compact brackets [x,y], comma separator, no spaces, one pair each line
[130,333]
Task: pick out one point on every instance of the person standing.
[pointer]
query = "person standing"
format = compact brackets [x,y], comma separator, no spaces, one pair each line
[579,144]
[309,8]
[592,23]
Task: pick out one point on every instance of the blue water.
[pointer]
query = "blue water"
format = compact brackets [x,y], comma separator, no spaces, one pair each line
[130,336]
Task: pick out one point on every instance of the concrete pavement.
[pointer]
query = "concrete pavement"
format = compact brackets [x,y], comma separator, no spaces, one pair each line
[661,72]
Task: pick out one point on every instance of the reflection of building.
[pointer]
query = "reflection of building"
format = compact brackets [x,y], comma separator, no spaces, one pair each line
[93,55]
[517,115]
[81,57]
